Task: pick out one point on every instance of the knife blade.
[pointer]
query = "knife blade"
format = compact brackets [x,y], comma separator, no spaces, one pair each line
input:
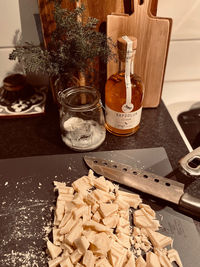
[146,182]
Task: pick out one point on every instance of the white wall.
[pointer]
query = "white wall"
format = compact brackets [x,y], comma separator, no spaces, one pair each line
[184,52]
[16,16]
[181,90]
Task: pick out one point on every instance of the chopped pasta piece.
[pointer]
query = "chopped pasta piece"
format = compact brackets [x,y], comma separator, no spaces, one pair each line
[92,228]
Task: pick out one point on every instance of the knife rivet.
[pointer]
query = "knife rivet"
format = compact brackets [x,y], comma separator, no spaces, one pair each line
[156,180]
[95,161]
[167,184]
[105,163]
[145,176]
[125,169]
[114,166]
[135,173]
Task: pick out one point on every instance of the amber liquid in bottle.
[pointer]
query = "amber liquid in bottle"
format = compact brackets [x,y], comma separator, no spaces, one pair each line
[115,98]
[124,92]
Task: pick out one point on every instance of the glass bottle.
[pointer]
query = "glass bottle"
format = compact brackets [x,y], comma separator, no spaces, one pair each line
[82,120]
[124,92]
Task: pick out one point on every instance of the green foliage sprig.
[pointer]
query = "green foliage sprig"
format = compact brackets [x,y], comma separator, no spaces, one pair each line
[73,47]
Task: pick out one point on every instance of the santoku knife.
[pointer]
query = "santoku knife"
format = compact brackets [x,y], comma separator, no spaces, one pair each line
[146,182]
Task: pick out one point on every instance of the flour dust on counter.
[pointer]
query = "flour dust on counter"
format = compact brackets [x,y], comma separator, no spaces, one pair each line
[22,221]
[27,201]
[26,210]
[25,223]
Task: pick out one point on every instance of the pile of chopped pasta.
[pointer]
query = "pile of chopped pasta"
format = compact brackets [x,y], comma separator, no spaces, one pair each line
[98,225]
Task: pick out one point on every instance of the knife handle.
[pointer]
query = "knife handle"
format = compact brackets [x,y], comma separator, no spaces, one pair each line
[190,164]
[190,204]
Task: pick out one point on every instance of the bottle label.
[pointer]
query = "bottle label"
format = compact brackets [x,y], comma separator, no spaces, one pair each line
[128,106]
[123,121]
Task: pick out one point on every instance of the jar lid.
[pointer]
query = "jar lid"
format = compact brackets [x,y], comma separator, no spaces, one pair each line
[14,82]
[79,98]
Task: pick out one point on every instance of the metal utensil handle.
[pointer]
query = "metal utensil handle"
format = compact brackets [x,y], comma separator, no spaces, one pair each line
[190,163]
[190,204]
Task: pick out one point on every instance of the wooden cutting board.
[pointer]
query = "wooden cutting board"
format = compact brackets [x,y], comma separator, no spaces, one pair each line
[153,34]
[95,9]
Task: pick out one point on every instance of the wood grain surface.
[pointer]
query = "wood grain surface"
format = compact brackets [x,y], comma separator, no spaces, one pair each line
[46,8]
[153,36]
[96,9]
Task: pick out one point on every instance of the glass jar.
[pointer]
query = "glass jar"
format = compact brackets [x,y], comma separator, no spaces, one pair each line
[81,118]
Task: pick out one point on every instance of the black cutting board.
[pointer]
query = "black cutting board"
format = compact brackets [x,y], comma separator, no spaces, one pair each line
[27,198]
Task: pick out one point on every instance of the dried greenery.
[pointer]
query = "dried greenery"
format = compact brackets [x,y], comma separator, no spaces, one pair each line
[74,47]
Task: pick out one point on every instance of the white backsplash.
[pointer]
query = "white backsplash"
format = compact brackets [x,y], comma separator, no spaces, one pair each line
[181,90]
[9,21]
[16,16]
[184,52]
[185,15]
[183,61]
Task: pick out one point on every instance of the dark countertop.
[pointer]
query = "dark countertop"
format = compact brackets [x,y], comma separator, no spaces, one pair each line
[33,136]
[40,135]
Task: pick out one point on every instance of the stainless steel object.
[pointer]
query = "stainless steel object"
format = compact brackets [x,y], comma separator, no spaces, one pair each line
[190,163]
[146,182]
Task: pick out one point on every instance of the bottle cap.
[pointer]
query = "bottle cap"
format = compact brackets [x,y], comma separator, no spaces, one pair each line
[122,44]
